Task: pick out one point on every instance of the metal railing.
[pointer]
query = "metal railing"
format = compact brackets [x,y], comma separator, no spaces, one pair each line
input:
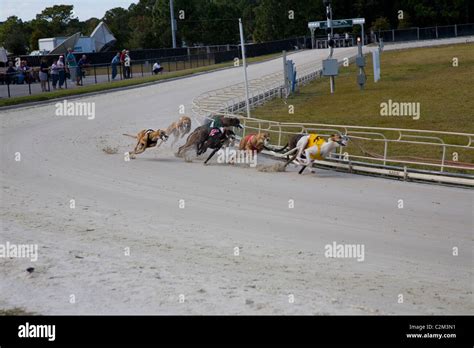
[430,33]
[12,86]
[396,157]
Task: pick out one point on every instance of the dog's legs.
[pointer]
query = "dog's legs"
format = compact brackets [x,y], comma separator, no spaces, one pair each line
[307,162]
[290,160]
[139,148]
[175,140]
[202,149]
[212,154]
[183,149]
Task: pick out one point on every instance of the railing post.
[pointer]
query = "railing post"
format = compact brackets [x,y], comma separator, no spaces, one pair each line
[279,135]
[393,35]
[141,67]
[108,76]
[418,33]
[436,31]
[95,74]
[455,30]
[442,160]
[29,86]
[8,89]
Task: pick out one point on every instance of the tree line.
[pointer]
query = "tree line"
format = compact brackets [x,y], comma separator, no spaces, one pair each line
[213,22]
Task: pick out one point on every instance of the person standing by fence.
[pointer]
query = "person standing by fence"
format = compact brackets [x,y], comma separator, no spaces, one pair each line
[43,74]
[127,64]
[71,65]
[10,76]
[80,69]
[122,63]
[115,63]
[61,71]
[54,74]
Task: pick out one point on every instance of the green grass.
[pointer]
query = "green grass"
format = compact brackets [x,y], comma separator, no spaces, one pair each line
[15,312]
[123,83]
[423,75]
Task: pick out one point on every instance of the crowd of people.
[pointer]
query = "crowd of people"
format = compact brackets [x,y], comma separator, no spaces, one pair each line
[57,72]
[67,67]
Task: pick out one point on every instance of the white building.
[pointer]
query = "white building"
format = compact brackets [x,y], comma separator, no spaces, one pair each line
[100,40]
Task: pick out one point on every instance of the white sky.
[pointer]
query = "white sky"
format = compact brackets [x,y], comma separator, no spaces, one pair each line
[83,9]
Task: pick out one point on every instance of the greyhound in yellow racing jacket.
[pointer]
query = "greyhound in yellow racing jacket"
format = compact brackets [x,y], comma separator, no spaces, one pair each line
[312,147]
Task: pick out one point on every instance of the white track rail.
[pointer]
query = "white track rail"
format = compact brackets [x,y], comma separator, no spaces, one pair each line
[230,102]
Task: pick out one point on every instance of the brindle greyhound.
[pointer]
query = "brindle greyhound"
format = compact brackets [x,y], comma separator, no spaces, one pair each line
[201,133]
[216,141]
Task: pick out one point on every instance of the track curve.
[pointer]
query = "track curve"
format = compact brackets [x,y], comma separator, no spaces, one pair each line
[190,251]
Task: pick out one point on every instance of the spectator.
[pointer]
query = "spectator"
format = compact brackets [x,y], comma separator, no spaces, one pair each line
[11,74]
[43,74]
[157,68]
[71,65]
[127,64]
[21,74]
[80,69]
[122,63]
[115,62]
[55,74]
[61,71]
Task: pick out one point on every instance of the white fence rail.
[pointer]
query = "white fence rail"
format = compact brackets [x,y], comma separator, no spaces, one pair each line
[450,153]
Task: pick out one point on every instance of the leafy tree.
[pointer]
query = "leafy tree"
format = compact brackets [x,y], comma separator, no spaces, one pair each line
[380,23]
[117,19]
[13,36]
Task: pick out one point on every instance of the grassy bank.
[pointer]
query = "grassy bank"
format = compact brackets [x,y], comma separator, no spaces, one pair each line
[423,75]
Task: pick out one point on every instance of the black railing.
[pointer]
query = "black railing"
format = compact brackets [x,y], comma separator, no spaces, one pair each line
[27,82]
[430,33]
[102,72]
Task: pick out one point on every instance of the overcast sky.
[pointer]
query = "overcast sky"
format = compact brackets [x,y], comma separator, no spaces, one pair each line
[83,9]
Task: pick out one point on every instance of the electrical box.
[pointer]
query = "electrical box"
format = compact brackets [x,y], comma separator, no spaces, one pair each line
[360,62]
[330,67]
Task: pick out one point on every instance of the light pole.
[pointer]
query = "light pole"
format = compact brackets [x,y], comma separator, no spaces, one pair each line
[173,24]
[242,43]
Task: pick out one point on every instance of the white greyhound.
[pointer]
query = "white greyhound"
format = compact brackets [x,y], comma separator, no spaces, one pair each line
[314,147]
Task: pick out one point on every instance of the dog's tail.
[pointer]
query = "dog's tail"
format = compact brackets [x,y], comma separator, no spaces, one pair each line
[129,135]
[282,149]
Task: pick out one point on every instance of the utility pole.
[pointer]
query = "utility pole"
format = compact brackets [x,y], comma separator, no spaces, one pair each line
[242,43]
[330,38]
[173,24]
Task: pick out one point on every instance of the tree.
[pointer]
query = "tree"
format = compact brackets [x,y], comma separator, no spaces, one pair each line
[380,24]
[117,19]
[59,18]
[13,36]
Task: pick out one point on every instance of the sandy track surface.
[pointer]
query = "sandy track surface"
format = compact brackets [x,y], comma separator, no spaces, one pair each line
[191,251]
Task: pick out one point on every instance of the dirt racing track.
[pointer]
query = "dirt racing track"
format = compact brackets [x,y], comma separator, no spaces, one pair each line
[183,260]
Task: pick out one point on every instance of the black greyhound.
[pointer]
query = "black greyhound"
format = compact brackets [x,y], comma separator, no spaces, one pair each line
[216,140]
[199,136]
